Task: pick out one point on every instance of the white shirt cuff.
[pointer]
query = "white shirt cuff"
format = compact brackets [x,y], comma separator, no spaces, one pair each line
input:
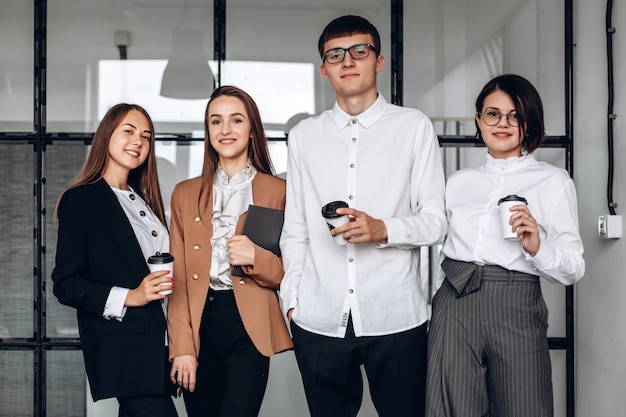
[114,307]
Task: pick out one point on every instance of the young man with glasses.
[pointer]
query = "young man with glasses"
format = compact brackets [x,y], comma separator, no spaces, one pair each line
[360,303]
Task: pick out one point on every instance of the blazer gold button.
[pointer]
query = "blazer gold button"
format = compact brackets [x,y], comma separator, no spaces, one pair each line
[196,219]
[196,247]
[142,213]
[132,197]
[194,276]
[155,233]
[242,281]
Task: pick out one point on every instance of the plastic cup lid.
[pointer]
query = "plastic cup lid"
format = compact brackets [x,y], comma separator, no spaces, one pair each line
[329,211]
[512,197]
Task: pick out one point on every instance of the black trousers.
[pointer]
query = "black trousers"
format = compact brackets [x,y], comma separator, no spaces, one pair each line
[395,366]
[232,374]
[151,405]
[147,406]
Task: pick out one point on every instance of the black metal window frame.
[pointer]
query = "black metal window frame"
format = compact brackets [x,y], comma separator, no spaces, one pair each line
[40,138]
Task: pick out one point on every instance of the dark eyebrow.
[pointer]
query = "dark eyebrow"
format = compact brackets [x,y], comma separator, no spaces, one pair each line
[230,115]
[498,109]
[135,127]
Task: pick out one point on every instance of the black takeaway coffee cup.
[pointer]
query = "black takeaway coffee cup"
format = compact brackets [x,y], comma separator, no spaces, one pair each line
[329,212]
[160,262]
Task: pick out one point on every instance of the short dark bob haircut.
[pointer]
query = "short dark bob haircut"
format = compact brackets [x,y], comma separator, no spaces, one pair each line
[347,26]
[527,104]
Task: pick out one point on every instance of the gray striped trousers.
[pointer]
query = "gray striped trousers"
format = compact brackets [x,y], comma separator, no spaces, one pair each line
[488,351]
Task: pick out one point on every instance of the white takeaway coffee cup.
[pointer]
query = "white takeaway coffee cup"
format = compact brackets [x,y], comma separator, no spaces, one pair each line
[329,212]
[160,262]
[505,205]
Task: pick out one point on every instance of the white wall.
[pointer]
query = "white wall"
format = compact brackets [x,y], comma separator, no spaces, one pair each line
[600,307]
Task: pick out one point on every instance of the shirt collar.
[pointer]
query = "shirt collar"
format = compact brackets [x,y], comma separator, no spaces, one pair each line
[510,164]
[366,119]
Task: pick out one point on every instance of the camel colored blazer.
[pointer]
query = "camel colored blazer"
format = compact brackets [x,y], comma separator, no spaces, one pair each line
[190,243]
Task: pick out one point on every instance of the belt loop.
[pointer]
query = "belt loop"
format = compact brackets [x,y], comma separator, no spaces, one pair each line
[510,276]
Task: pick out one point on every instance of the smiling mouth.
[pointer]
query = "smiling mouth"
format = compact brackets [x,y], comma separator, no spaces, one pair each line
[133,153]
[228,141]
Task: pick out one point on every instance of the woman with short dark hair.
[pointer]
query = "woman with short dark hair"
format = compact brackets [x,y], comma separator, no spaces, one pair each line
[488,348]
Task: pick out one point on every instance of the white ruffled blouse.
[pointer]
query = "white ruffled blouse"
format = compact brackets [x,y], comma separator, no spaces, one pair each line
[230,200]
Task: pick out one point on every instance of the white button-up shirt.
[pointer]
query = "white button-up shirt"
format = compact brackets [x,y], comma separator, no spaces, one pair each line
[152,236]
[385,162]
[475,231]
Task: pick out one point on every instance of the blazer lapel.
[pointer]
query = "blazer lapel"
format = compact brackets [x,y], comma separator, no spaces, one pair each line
[121,231]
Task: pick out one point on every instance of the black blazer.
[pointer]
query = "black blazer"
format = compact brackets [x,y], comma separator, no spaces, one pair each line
[96,250]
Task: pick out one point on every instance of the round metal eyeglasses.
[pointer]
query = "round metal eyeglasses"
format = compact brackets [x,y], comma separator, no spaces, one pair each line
[493,117]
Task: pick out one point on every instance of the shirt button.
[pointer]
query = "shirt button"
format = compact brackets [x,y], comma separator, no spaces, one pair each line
[142,213]
[350,260]
[132,197]
[351,197]
[157,253]
[196,247]
[194,277]
[196,219]
[351,291]
[353,139]
[353,121]
[155,233]
[351,165]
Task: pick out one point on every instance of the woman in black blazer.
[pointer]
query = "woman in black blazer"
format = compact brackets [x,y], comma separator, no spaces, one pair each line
[110,221]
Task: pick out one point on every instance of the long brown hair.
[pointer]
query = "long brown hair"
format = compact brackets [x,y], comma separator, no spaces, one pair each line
[258,153]
[142,179]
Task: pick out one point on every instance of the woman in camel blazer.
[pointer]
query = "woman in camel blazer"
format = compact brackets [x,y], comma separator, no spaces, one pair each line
[222,328]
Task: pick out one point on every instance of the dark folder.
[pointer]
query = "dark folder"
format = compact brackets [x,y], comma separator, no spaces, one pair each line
[263,227]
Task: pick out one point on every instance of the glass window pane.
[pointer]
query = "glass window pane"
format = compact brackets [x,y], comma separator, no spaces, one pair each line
[81,34]
[16,229]
[139,81]
[295,29]
[16,66]
[66,384]
[63,161]
[453,47]
[559,373]
[16,380]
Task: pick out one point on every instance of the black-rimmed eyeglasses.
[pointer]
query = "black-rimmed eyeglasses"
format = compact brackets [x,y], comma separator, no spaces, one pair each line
[492,117]
[359,51]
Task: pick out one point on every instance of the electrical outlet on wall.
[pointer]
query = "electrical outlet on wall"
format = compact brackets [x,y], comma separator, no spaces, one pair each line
[610,226]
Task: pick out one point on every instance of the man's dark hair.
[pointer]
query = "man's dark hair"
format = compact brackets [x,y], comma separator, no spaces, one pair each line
[347,26]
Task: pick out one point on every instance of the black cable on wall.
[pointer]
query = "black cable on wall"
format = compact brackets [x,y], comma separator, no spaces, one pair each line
[610,31]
